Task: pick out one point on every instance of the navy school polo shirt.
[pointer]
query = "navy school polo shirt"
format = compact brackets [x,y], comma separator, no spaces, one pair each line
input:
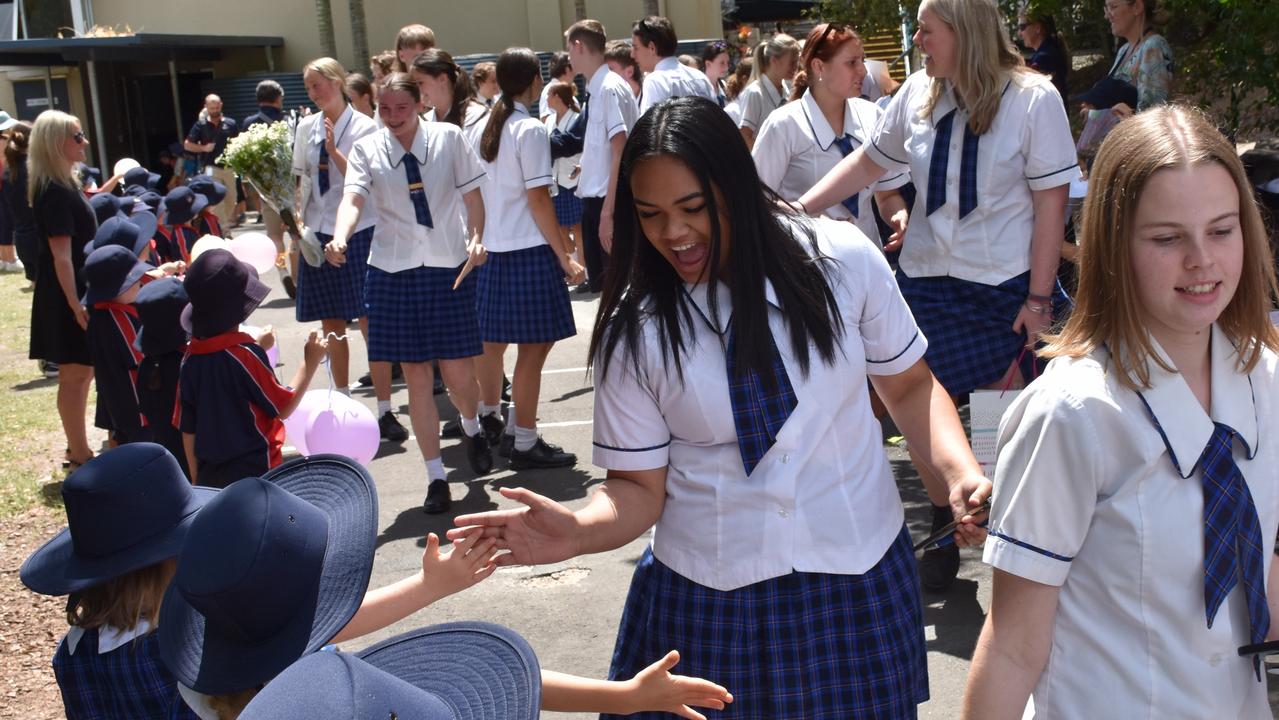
[112,329]
[230,400]
[173,242]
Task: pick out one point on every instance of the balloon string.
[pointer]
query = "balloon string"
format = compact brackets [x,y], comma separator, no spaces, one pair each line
[329,365]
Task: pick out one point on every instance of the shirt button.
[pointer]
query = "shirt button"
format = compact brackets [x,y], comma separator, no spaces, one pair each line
[1215,660]
[783,512]
[785,458]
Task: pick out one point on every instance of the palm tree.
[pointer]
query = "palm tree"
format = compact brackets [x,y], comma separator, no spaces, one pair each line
[579,9]
[650,8]
[324,19]
[359,35]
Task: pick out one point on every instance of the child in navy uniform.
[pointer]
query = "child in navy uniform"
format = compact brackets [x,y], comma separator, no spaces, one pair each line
[231,405]
[206,223]
[162,341]
[128,511]
[114,275]
[177,234]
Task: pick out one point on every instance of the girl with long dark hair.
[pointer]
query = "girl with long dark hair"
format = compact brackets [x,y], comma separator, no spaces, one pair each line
[731,352]
[447,90]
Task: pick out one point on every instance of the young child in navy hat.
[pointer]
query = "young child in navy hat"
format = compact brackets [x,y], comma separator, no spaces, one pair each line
[206,223]
[114,274]
[277,568]
[180,207]
[232,406]
[128,511]
[162,341]
[137,233]
[139,179]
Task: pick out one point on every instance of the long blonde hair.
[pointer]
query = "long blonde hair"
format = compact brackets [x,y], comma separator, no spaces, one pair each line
[45,161]
[769,50]
[1107,309]
[331,70]
[985,59]
[123,601]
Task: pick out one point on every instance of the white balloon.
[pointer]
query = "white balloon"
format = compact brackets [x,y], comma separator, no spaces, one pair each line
[124,165]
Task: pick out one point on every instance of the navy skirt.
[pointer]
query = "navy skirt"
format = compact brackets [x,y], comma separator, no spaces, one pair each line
[568,207]
[816,646]
[335,293]
[522,298]
[969,327]
[415,315]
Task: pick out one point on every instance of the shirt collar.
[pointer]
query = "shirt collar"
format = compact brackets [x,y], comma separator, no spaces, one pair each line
[520,107]
[109,638]
[218,343]
[822,130]
[667,63]
[699,293]
[773,95]
[395,153]
[339,127]
[597,80]
[1183,424]
[270,111]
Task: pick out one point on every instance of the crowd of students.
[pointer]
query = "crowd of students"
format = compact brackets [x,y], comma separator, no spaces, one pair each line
[776,278]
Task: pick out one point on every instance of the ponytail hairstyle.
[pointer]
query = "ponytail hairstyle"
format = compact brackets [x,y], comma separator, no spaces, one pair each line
[436,62]
[19,140]
[739,79]
[823,43]
[564,91]
[382,64]
[517,70]
[780,45]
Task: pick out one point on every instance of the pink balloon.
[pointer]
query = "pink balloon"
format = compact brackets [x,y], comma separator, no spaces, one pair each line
[296,423]
[344,426]
[256,249]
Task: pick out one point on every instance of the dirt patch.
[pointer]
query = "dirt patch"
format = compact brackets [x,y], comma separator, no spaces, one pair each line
[30,625]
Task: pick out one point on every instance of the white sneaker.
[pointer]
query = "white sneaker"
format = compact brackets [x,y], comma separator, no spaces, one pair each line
[10,266]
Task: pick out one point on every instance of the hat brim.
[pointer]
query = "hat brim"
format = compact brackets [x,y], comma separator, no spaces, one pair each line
[172,218]
[214,664]
[146,222]
[97,295]
[7,124]
[56,569]
[207,324]
[482,671]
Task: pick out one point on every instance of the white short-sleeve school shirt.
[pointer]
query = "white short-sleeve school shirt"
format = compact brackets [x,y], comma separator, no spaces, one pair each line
[321,211]
[449,169]
[1093,497]
[523,162]
[611,110]
[822,499]
[671,78]
[474,119]
[796,147]
[757,101]
[1028,147]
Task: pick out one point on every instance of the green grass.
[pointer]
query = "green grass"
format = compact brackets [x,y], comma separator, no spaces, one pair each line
[31,438]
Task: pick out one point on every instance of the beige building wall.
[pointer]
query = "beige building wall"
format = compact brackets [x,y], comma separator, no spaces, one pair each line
[462,27]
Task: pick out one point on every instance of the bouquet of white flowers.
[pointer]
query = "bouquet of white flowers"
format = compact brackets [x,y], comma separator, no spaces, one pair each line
[263,156]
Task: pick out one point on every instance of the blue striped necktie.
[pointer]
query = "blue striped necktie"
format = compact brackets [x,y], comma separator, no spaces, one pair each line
[759,411]
[1232,537]
[417,192]
[324,168]
[937,168]
[852,202]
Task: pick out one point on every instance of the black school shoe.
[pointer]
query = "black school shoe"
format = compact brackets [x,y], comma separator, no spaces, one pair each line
[541,455]
[438,499]
[506,446]
[390,428]
[940,565]
[493,427]
[506,389]
[479,453]
[452,429]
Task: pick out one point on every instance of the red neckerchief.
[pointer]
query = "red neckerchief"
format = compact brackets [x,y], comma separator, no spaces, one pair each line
[121,307]
[218,343]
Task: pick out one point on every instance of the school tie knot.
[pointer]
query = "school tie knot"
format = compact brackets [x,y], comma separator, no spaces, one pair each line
[417,191]
[760,405]
[1232,537]
[938,167]
[852,202]
[323,167]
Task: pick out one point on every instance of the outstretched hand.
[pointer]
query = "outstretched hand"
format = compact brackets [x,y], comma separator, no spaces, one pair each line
[964,498]
[655,689]
[541,532]
[468,562]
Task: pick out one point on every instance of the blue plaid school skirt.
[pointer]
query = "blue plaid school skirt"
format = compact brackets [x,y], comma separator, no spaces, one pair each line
[568,207]
[969,327]
[415,315]
[335,293]
[521,297]
[815,646]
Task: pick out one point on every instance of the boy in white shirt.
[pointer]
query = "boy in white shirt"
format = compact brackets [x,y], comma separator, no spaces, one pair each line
[653,47]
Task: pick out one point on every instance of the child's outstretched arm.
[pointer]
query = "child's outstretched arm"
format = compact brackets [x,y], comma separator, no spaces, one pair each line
[467,563]
[654,689]
[312,354]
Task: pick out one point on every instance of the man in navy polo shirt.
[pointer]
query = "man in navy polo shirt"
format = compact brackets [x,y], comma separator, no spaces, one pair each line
[271,110]
[209,137]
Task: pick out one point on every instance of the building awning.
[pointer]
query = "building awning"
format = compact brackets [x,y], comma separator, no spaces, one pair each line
[143,47]
[767,10]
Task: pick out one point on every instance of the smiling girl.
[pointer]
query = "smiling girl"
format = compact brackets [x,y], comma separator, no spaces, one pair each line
[1137,489]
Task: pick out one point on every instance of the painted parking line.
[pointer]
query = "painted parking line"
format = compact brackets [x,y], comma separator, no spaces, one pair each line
[291,450]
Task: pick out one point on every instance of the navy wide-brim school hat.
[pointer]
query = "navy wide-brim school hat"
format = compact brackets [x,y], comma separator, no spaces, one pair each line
[129,231]
[107,205]
[224,291]
[110,271]
[455,671]
[271,571]
[128,508]
[212,190]
[181,205]
[160,304]
[1109,92]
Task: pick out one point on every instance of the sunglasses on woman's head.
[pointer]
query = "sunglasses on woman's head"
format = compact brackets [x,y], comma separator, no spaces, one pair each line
[835,27]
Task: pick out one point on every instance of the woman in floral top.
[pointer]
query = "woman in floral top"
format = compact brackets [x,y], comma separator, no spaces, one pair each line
[1145,59]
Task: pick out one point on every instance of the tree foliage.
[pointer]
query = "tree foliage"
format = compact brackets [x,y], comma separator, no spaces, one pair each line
[1226,52]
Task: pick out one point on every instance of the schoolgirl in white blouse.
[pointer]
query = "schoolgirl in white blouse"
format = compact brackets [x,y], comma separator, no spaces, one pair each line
[773,66]
[447,90]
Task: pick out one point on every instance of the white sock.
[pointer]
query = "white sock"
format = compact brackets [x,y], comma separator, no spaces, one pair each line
[471,426]
[383,407]
[435,469]
[344,390]
[510,421]
[525,438]
[490,409]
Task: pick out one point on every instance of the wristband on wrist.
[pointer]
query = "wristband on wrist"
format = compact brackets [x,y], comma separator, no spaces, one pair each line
[1038,309]
[1039,298]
